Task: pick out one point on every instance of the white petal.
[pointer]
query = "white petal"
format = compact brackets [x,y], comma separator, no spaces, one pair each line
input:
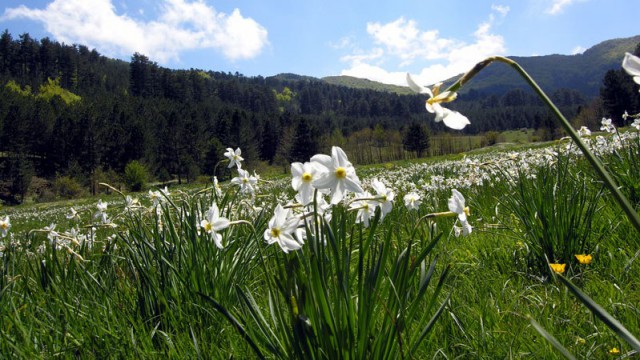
[217,238]
[323,160]
[339,157]
[631,64]
[221,223]
[455,120]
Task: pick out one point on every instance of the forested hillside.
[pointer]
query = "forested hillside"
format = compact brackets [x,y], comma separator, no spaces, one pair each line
[68,112]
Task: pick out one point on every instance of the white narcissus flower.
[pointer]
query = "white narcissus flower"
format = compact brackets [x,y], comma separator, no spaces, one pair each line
[102,212]
[457,205]
[366,209]
[213,223]
[303,177]
[584,131]
[340,175]
[384,197]
[217,187]
[234,157]
[412,201]
[5,225]
[452,119]
[282,227]
[631,64]
[607,125]
[245,181]
[636,124]
[73,215]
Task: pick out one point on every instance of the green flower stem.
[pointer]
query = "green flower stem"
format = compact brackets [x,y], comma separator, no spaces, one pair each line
[595,163]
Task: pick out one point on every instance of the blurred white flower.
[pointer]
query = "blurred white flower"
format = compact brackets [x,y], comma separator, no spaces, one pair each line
[102,212]
[452,119]
[631,64]
[412,201]
[234,157]
[217,187]
[340,175]
[73,215]
[5,225]
[584,131]
[607,125]
[281,228]
[51,231]
[213,222]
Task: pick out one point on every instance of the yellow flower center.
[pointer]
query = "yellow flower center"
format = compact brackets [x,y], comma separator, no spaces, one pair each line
[306,177]
[208,227]
[275,232]
[245,180]
[341,173]
[4,225]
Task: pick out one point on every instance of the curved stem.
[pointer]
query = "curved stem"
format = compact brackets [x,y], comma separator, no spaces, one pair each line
[595,163]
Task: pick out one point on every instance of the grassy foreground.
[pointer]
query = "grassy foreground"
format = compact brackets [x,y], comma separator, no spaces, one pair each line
[245,271]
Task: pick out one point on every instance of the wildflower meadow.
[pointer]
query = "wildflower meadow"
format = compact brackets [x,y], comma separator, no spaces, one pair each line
[524,253]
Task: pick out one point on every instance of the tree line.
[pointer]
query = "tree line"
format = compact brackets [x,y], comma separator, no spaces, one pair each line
[68,112]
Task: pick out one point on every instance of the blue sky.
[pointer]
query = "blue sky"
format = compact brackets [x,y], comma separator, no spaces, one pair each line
[432,39]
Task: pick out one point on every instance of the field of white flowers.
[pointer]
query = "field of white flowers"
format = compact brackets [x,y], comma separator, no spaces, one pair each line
[519,254]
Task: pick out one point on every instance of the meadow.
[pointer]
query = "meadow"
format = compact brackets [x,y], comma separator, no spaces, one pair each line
[438,259]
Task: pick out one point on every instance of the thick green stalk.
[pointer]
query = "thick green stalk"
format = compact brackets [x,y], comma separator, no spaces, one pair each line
[595,163]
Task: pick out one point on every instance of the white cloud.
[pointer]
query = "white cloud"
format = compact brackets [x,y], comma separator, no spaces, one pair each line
[578,50]
[558,6]
[402,42]
[182,25]
[503,10]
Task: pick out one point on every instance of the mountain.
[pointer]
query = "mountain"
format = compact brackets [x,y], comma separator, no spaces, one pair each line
[581,72]
[358,83]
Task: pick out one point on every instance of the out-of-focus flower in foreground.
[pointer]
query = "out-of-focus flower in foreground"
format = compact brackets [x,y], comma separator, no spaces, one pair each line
[340,175]
[214,223]
[452,119]
[631,64]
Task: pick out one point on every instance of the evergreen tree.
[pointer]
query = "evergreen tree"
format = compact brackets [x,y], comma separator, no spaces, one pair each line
[416,138]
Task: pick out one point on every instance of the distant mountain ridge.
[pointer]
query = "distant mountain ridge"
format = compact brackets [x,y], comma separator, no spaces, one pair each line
[580,72]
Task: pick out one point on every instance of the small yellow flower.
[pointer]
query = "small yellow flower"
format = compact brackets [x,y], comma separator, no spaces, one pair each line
[584,259]
[558,268]
[614,351]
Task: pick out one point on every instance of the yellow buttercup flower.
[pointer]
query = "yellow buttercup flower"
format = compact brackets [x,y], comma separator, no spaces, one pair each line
[584,259]
[614,351]
[558,268]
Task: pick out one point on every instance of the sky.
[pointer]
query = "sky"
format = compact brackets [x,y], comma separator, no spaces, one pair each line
[382,41]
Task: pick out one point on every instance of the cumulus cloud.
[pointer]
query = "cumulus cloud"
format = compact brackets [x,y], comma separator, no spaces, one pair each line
[181,25]
[558,6]
[403,43]
[578,50]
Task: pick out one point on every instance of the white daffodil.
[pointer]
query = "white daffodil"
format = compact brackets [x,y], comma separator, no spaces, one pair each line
[5,225]
[217,187]
[131,203]
[245,181]
[452,119]
[340,175]
[457,205]
[636,124]
[412,201]
[282,227]
[102,212]
[51,231]
[584,131]
[234,157]
[607,125]
[303,177]
[366,209]
[384,197]
[73,215]
[214,223]
[631,64]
